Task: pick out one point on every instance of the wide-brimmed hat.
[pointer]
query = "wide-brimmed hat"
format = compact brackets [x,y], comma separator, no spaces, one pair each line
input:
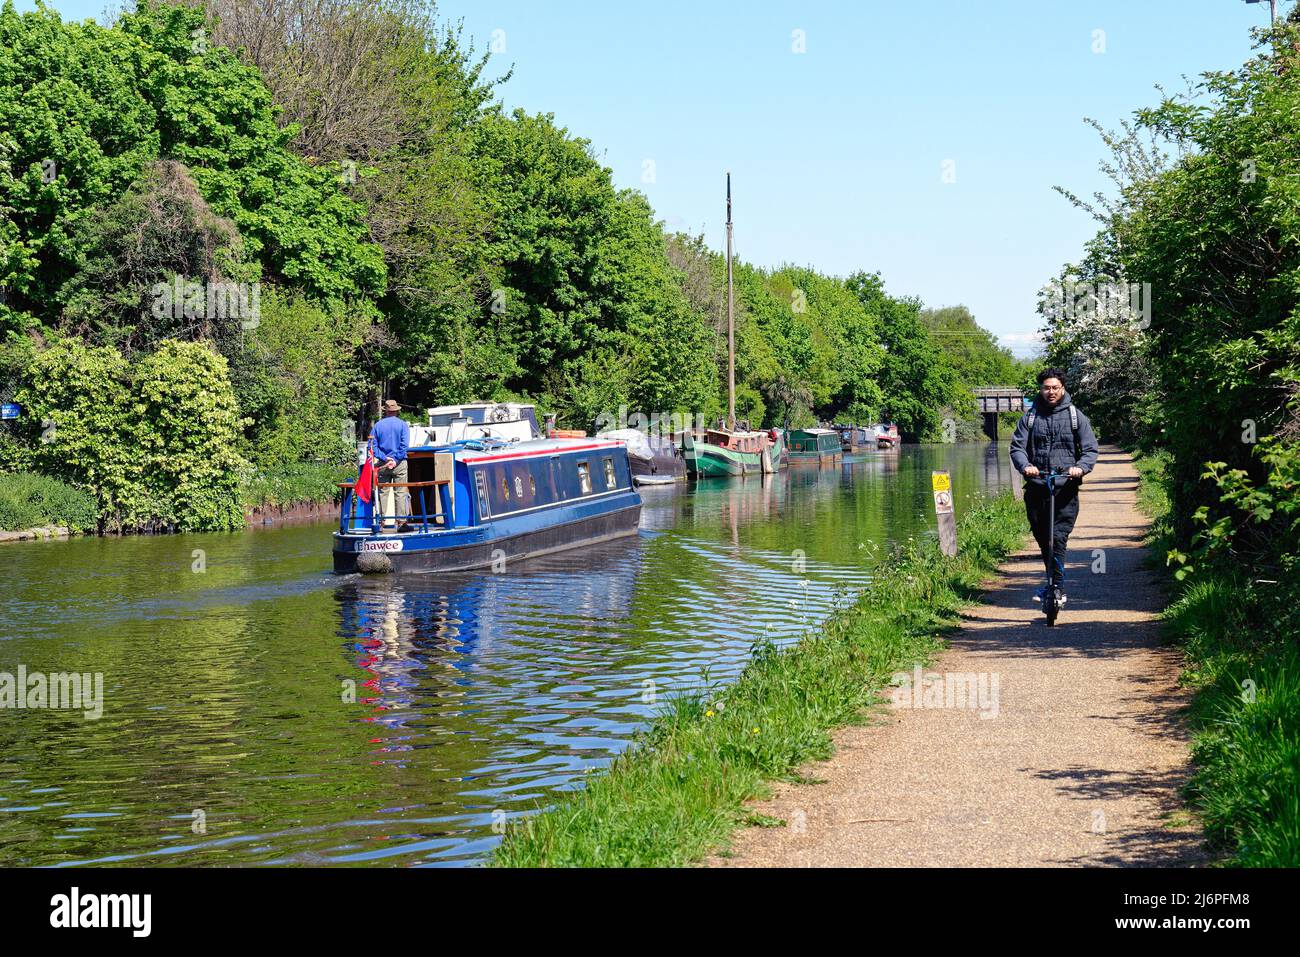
[391,406]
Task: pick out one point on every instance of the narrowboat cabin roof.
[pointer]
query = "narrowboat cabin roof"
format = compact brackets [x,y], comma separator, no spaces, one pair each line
[448,424]
[514,450]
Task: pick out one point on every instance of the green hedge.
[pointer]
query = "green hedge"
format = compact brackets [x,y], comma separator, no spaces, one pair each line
[32,501]
[1237,629]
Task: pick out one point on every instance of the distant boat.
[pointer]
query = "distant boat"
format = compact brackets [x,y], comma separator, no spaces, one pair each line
[724,453]
[814,446]
[654,461]
[886,436]
[727,449]
[856,438]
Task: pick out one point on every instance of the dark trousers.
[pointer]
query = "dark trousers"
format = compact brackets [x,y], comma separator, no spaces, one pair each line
[1067,510]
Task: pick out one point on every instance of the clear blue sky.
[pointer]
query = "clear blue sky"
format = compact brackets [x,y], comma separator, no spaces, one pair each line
[837,154]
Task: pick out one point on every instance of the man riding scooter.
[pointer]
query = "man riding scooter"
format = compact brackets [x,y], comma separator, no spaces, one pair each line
[1053,435]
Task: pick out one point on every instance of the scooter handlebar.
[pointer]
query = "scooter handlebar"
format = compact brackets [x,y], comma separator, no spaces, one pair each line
[1042,477]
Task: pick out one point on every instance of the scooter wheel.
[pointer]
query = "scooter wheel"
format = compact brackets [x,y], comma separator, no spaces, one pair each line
[1050,609]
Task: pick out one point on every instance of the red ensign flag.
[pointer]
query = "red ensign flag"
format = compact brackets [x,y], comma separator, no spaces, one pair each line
[366,480]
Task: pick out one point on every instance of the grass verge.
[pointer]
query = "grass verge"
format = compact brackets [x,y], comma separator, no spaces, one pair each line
[680,790]
[28,500]
[1238,635]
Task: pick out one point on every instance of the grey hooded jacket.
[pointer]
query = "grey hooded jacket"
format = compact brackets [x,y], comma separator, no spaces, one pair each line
[1052,444]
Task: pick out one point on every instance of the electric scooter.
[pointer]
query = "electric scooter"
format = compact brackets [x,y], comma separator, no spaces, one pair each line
[1054,479]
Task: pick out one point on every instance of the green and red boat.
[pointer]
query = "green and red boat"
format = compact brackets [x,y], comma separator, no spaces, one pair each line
[726,453]
[723,453]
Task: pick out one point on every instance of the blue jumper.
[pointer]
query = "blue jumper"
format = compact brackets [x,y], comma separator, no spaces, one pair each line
[391,437]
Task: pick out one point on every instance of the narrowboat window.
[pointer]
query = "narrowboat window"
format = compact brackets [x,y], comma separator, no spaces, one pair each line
[499,481]
[532,485]
[480,483]
[584,478]
[609,472]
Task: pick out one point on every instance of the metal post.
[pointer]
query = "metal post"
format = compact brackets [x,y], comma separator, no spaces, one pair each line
[941,483]
[731,327]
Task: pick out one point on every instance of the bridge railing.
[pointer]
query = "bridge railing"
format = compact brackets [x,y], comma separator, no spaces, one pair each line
[993,399]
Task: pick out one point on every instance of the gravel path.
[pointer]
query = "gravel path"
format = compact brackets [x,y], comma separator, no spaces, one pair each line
[1078,761]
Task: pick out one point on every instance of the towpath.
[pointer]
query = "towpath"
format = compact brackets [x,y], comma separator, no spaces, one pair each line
[1080,756]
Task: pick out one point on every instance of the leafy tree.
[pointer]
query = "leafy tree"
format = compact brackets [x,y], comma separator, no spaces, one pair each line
[160,235]
[976,360]
[186,424]
[77,402]
[916,379]
[85,110]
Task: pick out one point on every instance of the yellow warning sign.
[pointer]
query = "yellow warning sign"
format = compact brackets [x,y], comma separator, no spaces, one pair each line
[941,482]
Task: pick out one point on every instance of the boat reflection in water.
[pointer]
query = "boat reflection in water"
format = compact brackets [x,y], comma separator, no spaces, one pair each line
[423,639]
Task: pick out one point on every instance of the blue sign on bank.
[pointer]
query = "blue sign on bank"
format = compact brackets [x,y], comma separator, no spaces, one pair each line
[10,410]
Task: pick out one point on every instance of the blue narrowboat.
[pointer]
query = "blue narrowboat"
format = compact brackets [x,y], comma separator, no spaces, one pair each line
[484,503]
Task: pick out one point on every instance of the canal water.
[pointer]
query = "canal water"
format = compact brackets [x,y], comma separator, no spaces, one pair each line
[259,710]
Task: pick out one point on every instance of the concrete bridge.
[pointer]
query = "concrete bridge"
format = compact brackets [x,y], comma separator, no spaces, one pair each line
[994,399]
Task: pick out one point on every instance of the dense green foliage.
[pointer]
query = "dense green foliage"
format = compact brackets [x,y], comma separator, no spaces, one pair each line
[296,482]
[681,791]
[37,501]
[1243,661]
[197,175]
[1206,378]
[156,440]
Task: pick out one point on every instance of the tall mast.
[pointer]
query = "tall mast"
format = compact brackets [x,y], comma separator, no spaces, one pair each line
[731,327]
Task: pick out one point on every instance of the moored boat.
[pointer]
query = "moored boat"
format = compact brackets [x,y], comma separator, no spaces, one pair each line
[724,453]
[487,503]
[777,453]
[856,438]
[887,436]
[653,460]
[814,446]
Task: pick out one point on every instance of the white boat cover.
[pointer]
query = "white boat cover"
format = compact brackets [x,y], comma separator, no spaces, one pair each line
[638,443]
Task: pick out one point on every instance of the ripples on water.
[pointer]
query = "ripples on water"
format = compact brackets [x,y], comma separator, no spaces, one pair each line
[264,711]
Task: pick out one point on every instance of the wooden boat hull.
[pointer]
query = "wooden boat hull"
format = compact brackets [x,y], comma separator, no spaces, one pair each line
[713,461]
